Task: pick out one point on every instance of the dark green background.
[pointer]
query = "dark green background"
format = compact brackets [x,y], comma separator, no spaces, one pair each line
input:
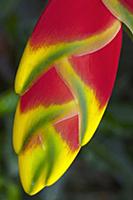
[104,168]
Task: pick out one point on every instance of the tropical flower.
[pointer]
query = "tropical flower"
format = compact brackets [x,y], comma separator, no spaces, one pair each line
[65,80]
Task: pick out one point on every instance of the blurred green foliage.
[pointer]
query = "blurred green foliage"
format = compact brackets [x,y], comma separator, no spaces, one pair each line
[8,102]
[103,169]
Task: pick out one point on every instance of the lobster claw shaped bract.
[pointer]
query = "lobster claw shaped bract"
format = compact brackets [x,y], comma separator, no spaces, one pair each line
[64,80]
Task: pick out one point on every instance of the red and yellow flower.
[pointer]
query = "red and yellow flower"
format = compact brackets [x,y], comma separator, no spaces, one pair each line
[65,80]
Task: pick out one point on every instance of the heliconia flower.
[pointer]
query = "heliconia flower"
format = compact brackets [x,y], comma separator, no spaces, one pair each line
[65,80]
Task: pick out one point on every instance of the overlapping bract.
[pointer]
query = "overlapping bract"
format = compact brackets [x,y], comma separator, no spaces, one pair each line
[65,79]
[122,9]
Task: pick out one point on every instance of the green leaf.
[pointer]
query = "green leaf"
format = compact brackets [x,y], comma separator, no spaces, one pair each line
[8,102]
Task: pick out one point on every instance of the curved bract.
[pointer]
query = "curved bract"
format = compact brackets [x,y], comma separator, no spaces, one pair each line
[123,10]
[65,80]
[65,28]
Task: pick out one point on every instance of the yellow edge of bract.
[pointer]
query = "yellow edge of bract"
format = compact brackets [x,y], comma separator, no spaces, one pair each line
[121,12]
[63,159]
[32,57]
[93,121]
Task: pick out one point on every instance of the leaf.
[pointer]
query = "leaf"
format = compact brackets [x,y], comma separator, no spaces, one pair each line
[8,102]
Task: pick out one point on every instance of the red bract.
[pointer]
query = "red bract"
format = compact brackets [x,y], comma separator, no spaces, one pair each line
[68,21]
